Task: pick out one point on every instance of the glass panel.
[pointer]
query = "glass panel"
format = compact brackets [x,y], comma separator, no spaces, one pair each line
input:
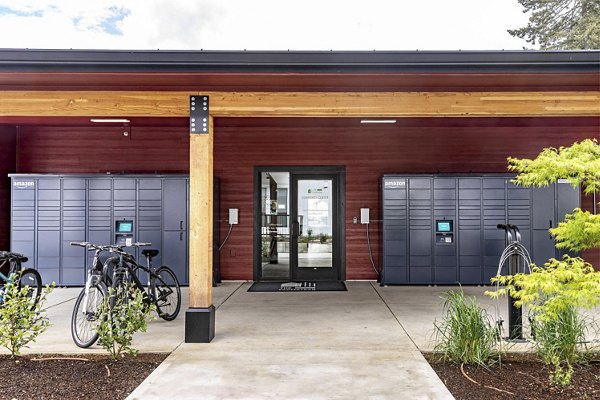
[315,243]
[275,222]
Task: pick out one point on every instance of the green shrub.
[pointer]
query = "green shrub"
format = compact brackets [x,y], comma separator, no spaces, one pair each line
[560,341]
[466,334]
[20,321]
[554,294]
[122,313]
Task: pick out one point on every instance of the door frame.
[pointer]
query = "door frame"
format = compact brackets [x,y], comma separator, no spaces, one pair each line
[340,231]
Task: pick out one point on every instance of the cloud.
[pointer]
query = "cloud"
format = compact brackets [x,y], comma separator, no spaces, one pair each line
[261,24]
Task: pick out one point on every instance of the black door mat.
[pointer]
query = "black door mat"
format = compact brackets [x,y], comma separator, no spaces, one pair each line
[329,286]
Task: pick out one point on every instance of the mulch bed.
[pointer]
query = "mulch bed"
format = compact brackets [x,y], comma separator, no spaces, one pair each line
[518,377]
[99,378]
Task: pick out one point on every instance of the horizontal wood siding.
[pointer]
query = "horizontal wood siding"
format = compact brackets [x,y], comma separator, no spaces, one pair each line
[55,149]
[7,166]
[367,153]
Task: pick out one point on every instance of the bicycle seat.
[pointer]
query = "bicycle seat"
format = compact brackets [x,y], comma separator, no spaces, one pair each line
[150,253]
[23,259]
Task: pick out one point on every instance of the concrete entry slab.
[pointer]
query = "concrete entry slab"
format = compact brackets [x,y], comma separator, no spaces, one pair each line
[161,337]
[317,345]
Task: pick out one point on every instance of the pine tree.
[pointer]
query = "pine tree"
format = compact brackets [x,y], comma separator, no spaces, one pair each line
[561,24]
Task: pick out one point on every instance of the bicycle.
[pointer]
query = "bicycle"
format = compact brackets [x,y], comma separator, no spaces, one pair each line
[162,289]
[28,277]
[85,317]
[86,310]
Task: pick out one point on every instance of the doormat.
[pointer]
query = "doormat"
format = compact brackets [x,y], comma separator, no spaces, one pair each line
[328,286]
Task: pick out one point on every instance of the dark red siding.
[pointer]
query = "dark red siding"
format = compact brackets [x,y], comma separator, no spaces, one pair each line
[55,149]
[7,166]
[478,145]
[367,153]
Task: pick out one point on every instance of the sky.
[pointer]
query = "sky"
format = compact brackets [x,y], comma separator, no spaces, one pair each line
[262,24]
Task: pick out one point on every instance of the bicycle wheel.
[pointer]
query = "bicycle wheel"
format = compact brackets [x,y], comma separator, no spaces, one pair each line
[31,279]
[84,321]
[167,294]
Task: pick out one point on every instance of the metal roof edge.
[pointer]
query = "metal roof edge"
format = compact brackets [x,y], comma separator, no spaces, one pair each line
[214,61]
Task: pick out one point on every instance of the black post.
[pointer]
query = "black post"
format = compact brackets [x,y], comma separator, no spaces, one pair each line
[515,315]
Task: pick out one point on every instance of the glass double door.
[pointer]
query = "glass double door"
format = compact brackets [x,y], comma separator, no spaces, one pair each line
[299,225]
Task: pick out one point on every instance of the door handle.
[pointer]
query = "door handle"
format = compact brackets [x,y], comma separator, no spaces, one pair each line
[181,236]
[180,224]
[295,229]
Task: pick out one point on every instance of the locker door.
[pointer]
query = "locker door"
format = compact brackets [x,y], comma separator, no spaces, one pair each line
[22,238]
[444,203]
[99,215]
[174,206]
[420,230]
[469,230]
[519,211]
[175,253]
[567,199]
[48,232]
[395,235]
[175,215]
[494,213]
[73,271]
[542,219]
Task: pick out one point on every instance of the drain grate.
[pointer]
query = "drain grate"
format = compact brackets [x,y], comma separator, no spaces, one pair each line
[297,286]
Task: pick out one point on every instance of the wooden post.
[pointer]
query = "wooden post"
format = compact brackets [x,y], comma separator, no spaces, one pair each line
[200,317]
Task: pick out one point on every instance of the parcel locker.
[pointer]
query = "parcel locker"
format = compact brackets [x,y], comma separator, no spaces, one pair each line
[50,211]
[441,229]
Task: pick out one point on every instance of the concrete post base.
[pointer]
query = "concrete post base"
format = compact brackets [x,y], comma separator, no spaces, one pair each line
[200,325]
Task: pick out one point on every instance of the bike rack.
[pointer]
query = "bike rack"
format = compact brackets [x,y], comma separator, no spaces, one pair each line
[518,260]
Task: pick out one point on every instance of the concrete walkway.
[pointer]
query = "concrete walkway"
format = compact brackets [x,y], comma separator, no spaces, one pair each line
[361,344]
[318,345]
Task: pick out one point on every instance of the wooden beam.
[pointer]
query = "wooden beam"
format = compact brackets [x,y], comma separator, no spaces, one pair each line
[301,104]
[201,218]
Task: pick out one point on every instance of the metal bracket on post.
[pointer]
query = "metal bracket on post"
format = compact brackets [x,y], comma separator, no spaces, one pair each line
[199,113]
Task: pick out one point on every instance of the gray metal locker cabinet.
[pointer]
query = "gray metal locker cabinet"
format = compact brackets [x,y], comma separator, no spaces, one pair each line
[22,238]
[73,269]
[469,230]
[567,199]
[48,229]
[420,198]
[175,227]
[99,216]
[150,218]
[543,218]
[395,231]
[445,254]
[519,210]
[494,213]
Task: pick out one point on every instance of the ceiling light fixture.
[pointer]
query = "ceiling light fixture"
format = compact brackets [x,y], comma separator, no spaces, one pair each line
[110,120]
[377,121]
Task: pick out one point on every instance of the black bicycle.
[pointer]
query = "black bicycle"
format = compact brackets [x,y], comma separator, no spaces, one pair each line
[11,264]
[162,288]
[84,320]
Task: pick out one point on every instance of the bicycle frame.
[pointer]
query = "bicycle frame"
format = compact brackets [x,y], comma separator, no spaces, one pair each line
[96,274]
[128,266]
[14,264]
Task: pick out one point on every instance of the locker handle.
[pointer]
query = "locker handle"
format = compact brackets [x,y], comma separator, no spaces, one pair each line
[180,236]
[180,224]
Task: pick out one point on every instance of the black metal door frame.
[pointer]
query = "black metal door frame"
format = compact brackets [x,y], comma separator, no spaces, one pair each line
[338,173]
